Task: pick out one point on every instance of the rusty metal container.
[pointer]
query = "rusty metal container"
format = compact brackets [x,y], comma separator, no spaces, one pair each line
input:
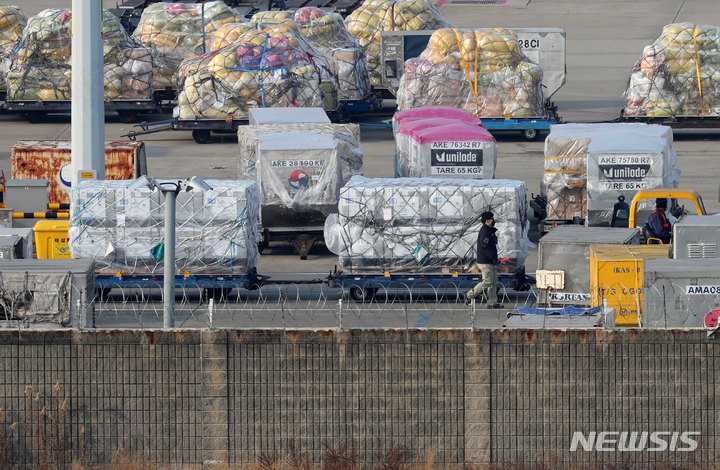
[50,159]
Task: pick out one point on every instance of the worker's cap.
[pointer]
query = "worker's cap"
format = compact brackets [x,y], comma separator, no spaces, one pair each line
[661,202]
[486,216]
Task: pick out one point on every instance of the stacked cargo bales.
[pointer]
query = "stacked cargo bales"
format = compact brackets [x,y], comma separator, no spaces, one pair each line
[328,65]
[216,230]
[425,224]
[178,31]
[588,166]
[12,24]
[375,16]
[327,33]
[444,148]
[41,66]
[678,74]
[483,71]
[300,168]
[261,69]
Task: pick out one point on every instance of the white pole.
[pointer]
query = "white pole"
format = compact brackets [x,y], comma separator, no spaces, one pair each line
[88,108]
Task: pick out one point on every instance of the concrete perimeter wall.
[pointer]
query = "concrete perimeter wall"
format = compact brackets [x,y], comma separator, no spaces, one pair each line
[481,397]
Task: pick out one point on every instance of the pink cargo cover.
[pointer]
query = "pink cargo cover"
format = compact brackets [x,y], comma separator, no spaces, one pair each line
[445,132]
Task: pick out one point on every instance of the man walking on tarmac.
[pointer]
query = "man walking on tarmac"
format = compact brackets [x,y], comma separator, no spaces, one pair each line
[487,260]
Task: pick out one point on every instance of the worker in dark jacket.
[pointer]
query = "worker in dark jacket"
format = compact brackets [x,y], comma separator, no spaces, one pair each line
[658,223]
[487,260]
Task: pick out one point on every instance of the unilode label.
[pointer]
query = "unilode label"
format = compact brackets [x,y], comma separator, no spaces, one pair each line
[624,172]
[569,297]
[456,158]
[695,290]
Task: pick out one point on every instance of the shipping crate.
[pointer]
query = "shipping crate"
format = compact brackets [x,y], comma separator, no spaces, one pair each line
[50,160]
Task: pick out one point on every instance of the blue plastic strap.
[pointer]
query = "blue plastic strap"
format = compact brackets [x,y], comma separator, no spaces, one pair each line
[203,26]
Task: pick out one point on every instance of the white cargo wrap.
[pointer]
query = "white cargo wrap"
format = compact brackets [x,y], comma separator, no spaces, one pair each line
[588,166]
[216,230]
[425,224]
[299,168]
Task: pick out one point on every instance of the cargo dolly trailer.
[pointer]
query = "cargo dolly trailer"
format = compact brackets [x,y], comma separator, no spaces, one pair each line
[364,287]
[127,110]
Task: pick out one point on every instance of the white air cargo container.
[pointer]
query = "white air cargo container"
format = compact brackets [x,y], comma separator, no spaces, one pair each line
[46,293]
[696,236]
[287,116]
[544,46]
[680,293]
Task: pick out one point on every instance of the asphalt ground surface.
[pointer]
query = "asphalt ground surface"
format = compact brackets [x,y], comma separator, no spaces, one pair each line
[604,39]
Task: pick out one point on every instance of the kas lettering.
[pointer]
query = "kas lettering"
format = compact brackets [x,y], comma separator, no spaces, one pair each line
[624,270]
[633,441]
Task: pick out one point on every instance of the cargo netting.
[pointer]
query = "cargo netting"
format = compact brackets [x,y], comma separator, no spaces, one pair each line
[367,23]
[41,66]
[327,33]
[12,24]
[123,230]
[269,68]
[678,74]
[425,224]
[178,31]
[483,71]
[588,166]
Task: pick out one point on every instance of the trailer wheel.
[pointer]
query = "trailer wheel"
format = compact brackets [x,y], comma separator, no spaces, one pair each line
[128,117]
[33,117]
[362,294]
[216,293]
[530,134]
[103,293]
[201,136]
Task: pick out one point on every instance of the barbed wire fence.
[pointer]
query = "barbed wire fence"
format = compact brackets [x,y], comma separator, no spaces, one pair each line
[315,304]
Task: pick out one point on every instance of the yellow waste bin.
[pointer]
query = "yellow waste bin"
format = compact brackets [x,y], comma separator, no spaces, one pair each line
[51,238]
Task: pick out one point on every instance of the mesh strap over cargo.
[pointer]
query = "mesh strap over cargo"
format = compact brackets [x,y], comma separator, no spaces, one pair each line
[678,74]
[482,71]
[41,65]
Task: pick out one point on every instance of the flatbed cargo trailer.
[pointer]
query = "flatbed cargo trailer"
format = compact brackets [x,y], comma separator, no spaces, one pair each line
[128,110]
[203,128]
[212,286]
[675,122]
[362,287]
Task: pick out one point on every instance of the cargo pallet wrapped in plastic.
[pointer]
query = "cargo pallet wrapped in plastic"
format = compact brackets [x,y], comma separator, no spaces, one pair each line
[678,74]
[482,71]
[299,168]
[444,148]
[122,229]
[12,24]
[425,224]
[326,32]
[588,166]
[178,31]
[261,69]
[375,16]
[41,67]
[433,112]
